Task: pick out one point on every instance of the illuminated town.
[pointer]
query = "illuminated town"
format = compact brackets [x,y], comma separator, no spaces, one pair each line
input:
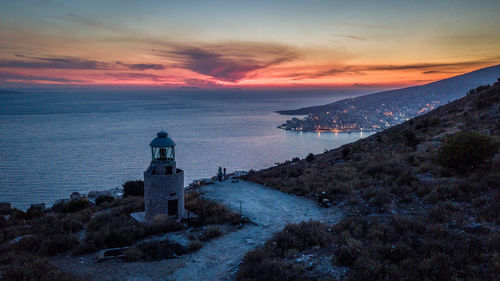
[355,119]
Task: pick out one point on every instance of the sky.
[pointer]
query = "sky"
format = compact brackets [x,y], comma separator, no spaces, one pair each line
[245,44]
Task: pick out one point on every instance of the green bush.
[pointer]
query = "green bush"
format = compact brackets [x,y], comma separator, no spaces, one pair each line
[310,157]
[133,188]
[463,150]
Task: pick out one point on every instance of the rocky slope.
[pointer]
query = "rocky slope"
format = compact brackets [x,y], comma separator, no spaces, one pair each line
[421,197]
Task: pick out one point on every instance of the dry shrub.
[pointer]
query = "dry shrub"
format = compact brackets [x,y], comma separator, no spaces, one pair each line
[132,254]
[111,232]
[348,252]
[490,211]
[210,212]
[27,267]
[43,245]
[154,251]
[271,269]
[58,244]
[267,263]
[210,232]
[384,171]
[302,236]
[195,245]
[412,248]
[104,199]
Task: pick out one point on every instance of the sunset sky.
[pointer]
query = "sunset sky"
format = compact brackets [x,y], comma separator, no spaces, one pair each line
[253,44]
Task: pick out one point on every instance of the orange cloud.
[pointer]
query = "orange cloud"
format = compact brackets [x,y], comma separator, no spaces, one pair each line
[227,64]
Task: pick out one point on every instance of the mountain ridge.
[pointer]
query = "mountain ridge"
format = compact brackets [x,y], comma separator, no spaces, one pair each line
[380,110]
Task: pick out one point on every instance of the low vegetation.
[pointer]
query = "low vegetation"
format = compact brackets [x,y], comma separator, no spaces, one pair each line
[133,188]
[415,248]
[29,267]
[463,150]
[155,251]
[77,227]
[272,261]
[209,212]
[421,199]
[104,198]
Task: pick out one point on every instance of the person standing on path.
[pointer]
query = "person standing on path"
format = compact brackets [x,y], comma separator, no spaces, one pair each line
[224,174]
[219,174]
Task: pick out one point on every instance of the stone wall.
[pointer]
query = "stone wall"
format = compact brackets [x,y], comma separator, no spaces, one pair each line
[159,166]
[158,189]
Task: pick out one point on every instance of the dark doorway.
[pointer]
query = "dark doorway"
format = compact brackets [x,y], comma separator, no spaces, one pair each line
[172,207]
[168,170]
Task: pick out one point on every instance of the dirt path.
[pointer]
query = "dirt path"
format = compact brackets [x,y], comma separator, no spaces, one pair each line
[270,209]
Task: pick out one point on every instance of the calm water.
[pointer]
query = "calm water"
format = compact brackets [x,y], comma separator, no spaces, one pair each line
[52,144]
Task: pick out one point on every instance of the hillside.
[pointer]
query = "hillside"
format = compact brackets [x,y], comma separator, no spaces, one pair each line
[63,242]
[422,202]
[378,111]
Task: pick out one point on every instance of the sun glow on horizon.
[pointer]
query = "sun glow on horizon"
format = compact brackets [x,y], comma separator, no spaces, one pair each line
[245,45]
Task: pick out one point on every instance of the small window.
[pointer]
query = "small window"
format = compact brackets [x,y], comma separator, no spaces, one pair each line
[173,194]
[168,170]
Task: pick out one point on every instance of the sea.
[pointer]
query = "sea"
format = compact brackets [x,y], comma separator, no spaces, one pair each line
[54,143]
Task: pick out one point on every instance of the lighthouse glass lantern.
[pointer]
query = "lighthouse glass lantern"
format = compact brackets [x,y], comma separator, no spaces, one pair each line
[163,147]
[163,155]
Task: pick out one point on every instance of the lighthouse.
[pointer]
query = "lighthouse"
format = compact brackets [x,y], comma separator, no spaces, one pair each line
[163,182]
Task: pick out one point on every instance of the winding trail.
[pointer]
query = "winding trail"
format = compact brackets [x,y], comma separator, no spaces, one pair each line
[270,209]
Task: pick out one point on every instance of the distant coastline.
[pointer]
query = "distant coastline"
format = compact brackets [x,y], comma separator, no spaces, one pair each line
[378,111]
[327,130]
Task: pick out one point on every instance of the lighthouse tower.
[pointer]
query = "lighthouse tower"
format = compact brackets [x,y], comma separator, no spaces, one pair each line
[163,182]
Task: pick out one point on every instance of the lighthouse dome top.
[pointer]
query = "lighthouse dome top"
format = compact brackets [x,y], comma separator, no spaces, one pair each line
[162,140]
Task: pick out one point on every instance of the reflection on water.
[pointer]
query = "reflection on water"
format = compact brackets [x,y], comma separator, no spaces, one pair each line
[55,144]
